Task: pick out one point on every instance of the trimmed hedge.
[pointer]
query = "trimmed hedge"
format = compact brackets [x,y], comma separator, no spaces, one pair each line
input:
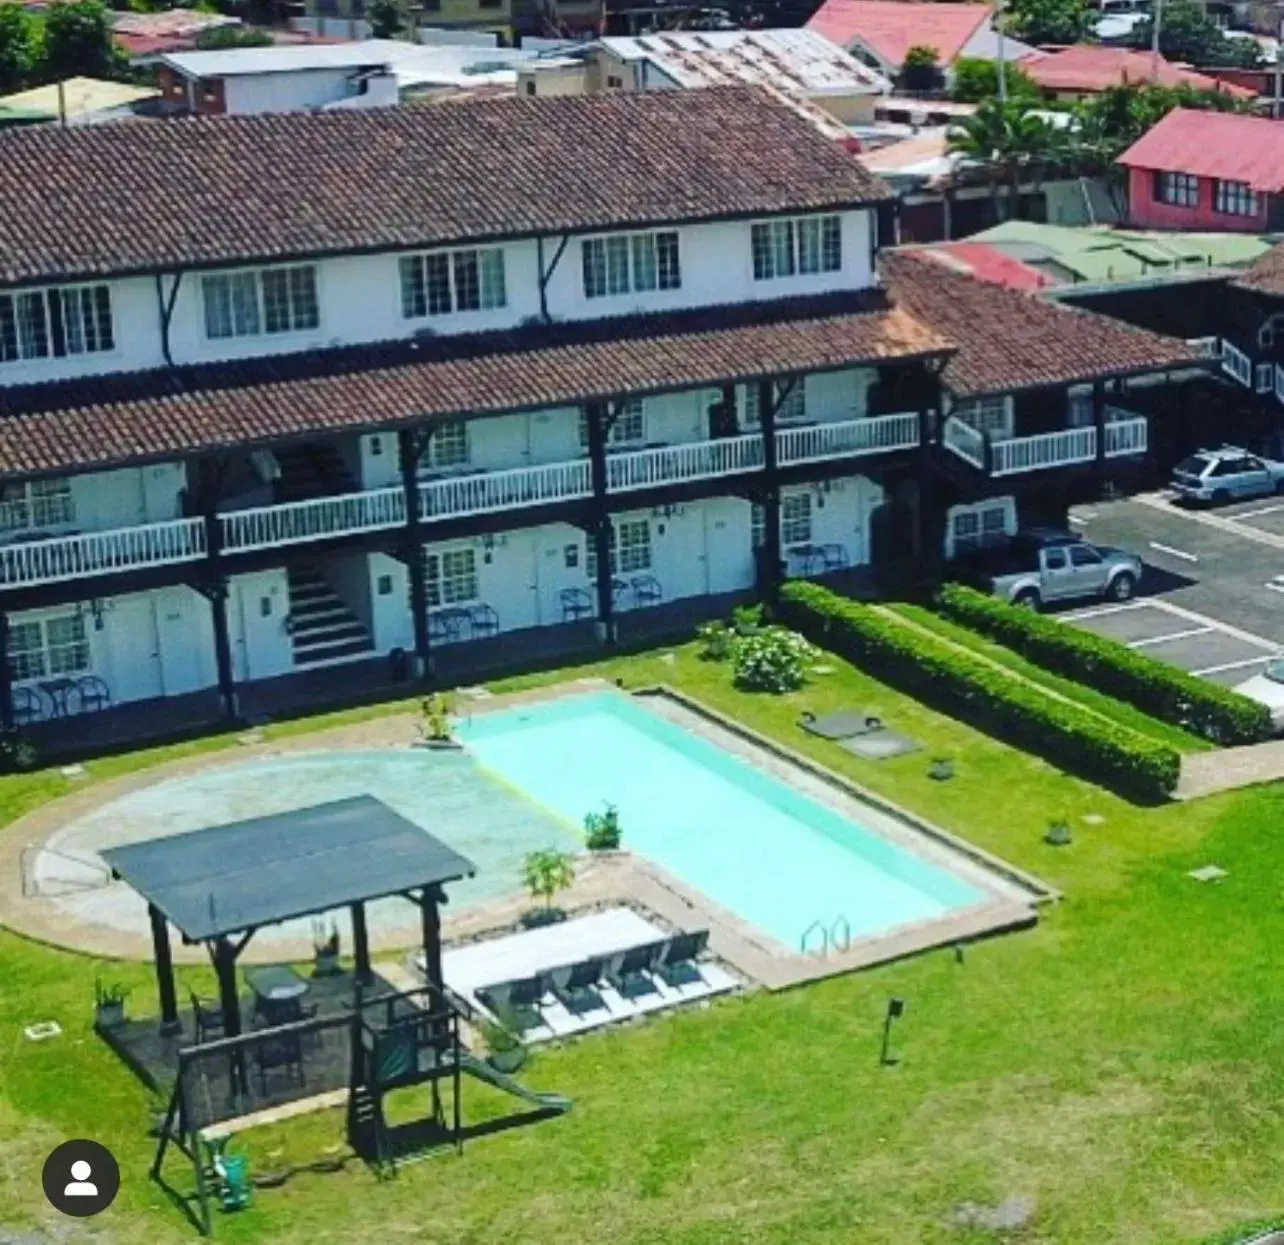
[1163,691]
[966,687]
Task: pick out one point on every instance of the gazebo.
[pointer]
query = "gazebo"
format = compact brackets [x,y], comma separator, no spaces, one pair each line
[219,885]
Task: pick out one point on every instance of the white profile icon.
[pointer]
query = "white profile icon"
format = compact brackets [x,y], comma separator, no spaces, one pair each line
[80,1185]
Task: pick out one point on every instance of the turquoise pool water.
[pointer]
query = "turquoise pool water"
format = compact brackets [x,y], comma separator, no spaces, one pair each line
[751,843]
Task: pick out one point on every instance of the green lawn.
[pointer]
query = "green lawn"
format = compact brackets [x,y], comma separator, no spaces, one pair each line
[1122,1064]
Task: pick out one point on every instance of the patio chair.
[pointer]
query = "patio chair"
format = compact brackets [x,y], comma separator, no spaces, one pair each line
[676,962]
[517,1003]
[629,972]
[92,694]
[28,706]
[576,604]
[279,1052]
[577,991]
[646,590]
[483,619]
[208,1018]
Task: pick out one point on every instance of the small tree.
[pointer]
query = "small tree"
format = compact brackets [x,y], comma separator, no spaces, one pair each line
[974,79]
[389,19]
[1050,21]
[78,43]
[1187,33]
[921,69]
[18,47]
[546,872]
[220,38]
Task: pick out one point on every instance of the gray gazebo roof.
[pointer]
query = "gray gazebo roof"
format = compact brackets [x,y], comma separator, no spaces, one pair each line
[250,873]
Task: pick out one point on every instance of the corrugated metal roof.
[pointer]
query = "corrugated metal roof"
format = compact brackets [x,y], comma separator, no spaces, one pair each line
[889,28]
[1088,68]
[1228,146]
[80,96]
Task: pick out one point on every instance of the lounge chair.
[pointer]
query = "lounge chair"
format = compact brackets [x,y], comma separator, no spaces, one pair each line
[516,1003]
[577,990]
[845,724]
[676,961]
[629,972]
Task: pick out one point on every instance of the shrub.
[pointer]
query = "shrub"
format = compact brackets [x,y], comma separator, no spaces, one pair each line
[717,640]
[773,660]
[602,830]
[18,752]
[546,872]
[1163,691]
[966,687]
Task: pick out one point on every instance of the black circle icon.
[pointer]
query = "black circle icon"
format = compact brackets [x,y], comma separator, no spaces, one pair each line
[81,1178]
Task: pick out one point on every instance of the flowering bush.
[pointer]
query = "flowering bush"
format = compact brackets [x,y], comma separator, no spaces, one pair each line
[773,660]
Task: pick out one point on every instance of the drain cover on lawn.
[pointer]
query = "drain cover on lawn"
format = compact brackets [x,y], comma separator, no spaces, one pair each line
[1209,873]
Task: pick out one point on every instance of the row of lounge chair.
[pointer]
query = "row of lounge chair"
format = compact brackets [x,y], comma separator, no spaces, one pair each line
[632,974]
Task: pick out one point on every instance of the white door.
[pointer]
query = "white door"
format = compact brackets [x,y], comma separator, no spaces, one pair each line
[182,632]
[135,650]
[728,551]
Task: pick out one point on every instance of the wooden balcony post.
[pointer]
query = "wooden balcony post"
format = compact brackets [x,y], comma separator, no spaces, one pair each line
[1099,424]
[214,586]
[164,961]
[6,675]
[600,526]
[410,449]
[929,536]
[771,568]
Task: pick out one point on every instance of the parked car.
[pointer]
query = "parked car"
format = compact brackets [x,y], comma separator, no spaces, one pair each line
[1267,689]
[1041,566]
[1226,474]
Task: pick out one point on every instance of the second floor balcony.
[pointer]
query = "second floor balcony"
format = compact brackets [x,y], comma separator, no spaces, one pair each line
[177,541]
[1125,435]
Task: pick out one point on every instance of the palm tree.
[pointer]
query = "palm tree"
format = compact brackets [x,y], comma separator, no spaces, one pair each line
[1010,141]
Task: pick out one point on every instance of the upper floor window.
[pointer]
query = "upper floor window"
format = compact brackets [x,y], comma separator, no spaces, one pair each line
[787,248]
[987,415]
[271,300]
[1235,199]
[1179,189]
[790,398]
[36,504]
[48,646]
[627,428]
[443,282]
[449,445]
[41,324]
[451,577]
[639,262]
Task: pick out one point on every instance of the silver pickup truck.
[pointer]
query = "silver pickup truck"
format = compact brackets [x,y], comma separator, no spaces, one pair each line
[1035,568]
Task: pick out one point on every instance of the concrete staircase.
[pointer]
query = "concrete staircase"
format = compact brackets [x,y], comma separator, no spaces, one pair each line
[323,628]
[312,469]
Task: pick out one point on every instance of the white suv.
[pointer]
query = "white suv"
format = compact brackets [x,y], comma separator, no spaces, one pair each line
[1226,475]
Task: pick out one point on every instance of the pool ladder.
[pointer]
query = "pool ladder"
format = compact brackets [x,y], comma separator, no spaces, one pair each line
[836,936]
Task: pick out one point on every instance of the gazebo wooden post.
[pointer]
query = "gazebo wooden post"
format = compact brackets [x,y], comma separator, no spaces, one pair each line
[224,954]
[431,918]
[361,943]
[170,1023]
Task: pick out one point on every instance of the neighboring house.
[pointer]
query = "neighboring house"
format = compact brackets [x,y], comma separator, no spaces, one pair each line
[1252,332]
[1207,170]
[1041,403]
[1074,73]
[798,67]
[503,18]
[79,101]
[144,36]
[881,32]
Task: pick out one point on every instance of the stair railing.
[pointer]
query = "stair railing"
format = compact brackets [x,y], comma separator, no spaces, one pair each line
[815,927]
[840,933]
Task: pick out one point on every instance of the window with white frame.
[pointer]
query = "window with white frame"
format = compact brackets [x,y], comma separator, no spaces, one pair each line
[1235,199]
[443,282]
[630,549]
[980,526]
[795,519]
[790,398]
[42,324]
[270,300]
[36,504]
[627,428]
[49,646]
[987,415]
[451,577]
[796,246]
[623,263]
[1178,189]
[449,445]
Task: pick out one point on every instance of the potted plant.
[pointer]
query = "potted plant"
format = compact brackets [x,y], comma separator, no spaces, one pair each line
[505,1051]
[325,950]
[1058,833]
[109,1005]
[544,873]
[434,727]
[602,830]
[941,769]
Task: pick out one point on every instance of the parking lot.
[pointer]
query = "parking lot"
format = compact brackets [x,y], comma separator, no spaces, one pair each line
[1212,601]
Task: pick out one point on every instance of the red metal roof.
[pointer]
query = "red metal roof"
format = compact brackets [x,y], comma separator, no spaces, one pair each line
[1225,145]
[891,27]
[986,263]
[1087,68]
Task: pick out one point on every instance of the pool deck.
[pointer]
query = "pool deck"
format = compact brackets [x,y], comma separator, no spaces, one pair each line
[602,881]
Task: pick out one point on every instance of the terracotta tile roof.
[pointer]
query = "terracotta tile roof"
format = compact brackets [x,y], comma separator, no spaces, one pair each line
[1087,67]
[141,416]
[111,199]
[1009,340]
[889,28]
[1225,145]
[1265,275]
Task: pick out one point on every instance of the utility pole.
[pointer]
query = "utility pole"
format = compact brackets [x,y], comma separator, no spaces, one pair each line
[1002,63]
[1155,24]
[1279,65]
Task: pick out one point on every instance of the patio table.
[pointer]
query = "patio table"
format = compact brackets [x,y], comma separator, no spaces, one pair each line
[278,992]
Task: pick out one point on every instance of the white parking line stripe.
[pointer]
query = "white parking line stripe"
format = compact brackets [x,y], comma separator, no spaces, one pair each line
[1253,514]
[1173,553]
[1202,619]
[1099,611]
[1273,587]
[1157,501]
[1232,665]
[1172,635]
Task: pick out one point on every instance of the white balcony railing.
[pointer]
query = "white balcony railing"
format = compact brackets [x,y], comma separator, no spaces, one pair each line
[1206,347]
[95,553]
[960,438]
[1126,433]
[671,464]
[874,435]
[1047,449]
[505,490]
[1237,364]
[1279,383]
[264,527]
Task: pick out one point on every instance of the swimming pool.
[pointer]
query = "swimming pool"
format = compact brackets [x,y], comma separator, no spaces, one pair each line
[754,845]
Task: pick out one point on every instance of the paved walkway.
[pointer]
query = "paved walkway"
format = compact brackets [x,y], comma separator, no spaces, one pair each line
[1207,773]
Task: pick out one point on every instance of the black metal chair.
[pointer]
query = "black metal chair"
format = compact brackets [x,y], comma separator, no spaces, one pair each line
[28,706]
[676,963]
[208,1018]
[646,590]
[447,626]
[517,1003]
[630,971]
[576,988]
[285,1051]
[833,556]
[92,694]
[483,619]
[576,604]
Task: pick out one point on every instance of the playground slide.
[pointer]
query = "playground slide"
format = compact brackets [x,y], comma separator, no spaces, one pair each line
[501,1080]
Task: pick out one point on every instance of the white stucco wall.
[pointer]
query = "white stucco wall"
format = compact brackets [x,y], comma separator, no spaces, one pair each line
[288,92]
